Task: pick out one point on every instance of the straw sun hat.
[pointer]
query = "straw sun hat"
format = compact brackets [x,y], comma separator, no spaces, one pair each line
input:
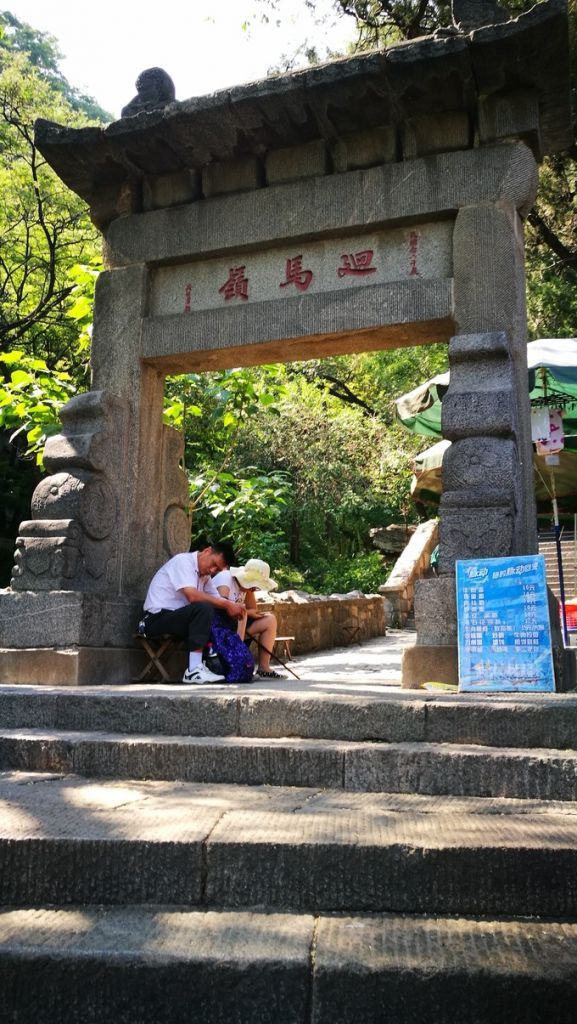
[255,573]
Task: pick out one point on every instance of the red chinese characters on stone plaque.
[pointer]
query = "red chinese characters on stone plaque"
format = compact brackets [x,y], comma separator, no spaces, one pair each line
[236,287]
[294,274]
[413,253]
[358,264]
[187,297]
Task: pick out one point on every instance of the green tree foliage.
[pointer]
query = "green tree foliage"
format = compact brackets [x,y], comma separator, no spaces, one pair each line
[371,381]
[243,504]
[44,228]
[43,53]
[552,235]
[339,467]
[31,398]
[382,22]
[48,259]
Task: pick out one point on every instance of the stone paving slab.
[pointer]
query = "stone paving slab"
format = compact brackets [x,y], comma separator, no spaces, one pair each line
[70,840]
[523,720]
[405,969]
[440,863]
[370,669]
[230,759]
[462,770]
[433,768]
[85,965]
[350,693]
[40,797]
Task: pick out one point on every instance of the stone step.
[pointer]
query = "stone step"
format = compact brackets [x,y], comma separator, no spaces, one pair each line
[428,768]
[507,720]
[70,841]
[140,965]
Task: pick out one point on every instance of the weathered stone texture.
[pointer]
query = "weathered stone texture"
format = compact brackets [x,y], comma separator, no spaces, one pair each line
[71,542]
[513,115]
[66,618]
[170,190]
[435,133]
[308,161]
[361,200]
[443,970]
[474,532]
[468,465]
[232,176]
[144,964]
[490,291]
[419,252]
[413,563]
[432,663]
[158,514]
[154,91]
[356,150]
[469,15]
[281,330]
[376,143]
[489,270]
[441,76]
[321,623]
[482,511]
[436,612]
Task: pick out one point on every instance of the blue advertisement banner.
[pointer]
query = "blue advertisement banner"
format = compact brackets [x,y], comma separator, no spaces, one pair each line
[504,636]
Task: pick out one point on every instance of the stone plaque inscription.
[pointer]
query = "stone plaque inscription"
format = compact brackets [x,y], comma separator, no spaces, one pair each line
[424,251]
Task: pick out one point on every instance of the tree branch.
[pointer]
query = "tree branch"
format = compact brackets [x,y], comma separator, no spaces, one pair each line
[567,256]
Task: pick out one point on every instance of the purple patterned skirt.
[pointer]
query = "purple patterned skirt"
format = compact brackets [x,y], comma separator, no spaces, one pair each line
[235,656]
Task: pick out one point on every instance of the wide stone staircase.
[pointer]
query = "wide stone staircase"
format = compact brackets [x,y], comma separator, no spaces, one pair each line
[175,856]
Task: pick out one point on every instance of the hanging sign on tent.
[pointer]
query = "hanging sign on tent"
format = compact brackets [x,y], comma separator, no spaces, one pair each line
[504,636]
[540,423]
[554,440]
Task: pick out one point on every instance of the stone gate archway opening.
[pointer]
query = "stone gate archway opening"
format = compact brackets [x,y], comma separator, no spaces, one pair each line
[314,452]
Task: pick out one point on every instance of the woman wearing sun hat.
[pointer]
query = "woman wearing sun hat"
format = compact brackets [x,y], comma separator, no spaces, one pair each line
[239,584]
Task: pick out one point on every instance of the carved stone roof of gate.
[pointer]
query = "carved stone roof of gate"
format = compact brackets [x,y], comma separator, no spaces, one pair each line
[449,72]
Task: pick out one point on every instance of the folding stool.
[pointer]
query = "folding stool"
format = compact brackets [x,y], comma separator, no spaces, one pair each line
[157,649]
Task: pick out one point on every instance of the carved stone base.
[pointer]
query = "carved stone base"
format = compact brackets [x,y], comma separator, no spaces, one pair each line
[73,666]
[66,618]
[436,612]
[427,663]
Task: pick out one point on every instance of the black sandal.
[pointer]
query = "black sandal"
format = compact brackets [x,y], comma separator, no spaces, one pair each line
[270,674]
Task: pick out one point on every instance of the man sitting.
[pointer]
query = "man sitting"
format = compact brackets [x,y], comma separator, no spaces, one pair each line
[182,601]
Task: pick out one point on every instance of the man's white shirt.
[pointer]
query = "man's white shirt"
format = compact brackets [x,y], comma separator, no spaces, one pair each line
[166,586]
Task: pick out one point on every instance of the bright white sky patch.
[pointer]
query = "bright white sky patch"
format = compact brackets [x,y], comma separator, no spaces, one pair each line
[108,43]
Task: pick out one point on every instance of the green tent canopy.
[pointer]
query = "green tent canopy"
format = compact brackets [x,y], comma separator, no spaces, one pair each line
[552,381]
[427,481]
[552,374]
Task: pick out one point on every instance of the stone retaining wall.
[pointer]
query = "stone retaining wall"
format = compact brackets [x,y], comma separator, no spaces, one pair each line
[412,565]
[318,623]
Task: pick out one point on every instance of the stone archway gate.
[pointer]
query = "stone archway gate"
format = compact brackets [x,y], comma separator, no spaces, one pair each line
[373,202]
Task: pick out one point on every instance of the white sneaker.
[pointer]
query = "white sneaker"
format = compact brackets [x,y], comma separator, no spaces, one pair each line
[201,674]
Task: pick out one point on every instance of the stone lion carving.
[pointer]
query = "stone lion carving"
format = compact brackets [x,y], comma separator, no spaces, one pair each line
[155,90]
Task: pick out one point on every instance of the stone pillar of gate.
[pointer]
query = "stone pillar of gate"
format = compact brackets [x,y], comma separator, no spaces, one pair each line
[113,508]
[153,521]
[487,508]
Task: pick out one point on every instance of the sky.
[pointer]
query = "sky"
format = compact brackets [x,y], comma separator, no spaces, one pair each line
[202,46]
